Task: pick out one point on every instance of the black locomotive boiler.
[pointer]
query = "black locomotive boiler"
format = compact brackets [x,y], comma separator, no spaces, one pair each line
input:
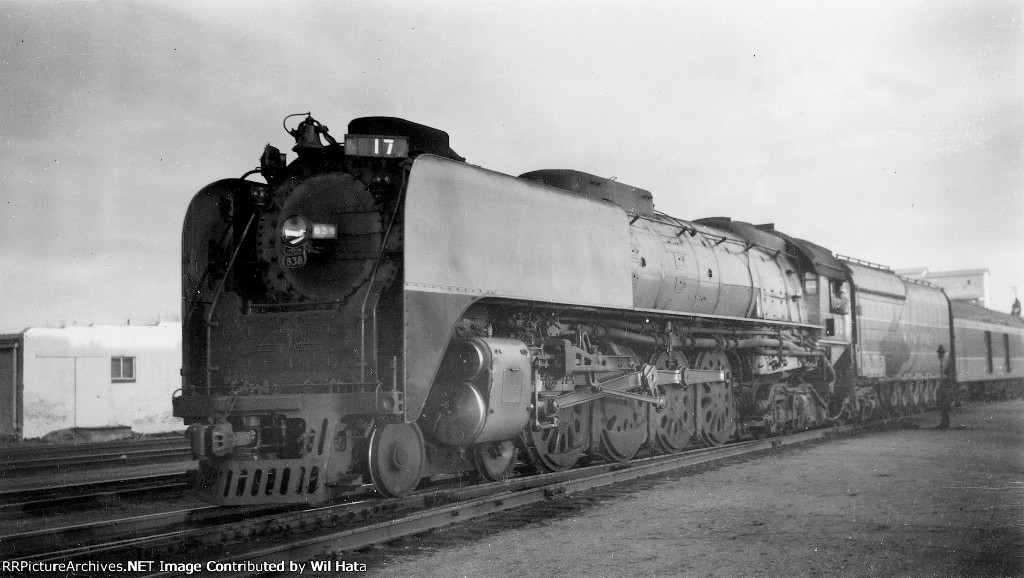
[380,311]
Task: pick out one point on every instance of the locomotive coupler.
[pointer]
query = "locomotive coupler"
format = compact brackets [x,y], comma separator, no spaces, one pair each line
[217,440]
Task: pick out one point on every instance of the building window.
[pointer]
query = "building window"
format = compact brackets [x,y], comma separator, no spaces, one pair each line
[122,369]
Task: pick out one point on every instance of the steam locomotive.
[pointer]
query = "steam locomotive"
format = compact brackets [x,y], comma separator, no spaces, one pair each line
[379,311]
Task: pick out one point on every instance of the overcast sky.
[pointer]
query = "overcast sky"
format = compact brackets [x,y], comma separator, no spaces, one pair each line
[888,131]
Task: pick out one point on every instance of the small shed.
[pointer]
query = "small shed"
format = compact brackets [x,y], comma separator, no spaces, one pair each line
[89,377]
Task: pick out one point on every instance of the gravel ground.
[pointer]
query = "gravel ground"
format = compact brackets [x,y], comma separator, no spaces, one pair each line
[902,502]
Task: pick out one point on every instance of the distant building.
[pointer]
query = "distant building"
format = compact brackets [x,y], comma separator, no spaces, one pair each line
[970,285]
[89,376]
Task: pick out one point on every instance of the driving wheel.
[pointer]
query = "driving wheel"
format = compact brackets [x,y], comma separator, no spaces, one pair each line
[558,448]
[623,424]
[671,427]
[716,408]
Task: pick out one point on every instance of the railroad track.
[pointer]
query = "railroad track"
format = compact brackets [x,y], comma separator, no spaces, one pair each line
[26,459]
[256,535]
[82,541]
[69,495]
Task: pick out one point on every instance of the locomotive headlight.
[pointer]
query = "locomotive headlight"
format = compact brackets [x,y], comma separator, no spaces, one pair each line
[295,230]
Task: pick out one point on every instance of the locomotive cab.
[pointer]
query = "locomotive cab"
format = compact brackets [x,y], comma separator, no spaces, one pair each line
[828,304]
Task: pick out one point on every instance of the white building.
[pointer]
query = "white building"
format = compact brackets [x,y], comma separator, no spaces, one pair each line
[90,376]
[964,285]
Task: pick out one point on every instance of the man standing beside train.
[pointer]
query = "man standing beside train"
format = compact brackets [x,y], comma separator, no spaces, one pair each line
[947,389]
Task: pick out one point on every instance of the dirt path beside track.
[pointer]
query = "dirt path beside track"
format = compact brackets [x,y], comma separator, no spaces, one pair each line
[901,502]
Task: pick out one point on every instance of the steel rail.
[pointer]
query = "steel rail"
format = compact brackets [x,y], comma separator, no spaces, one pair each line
[492,498]
[111,536]
[12,451]
[79,462]
[374,521]
[17,460]
[329,544]
[43,498]
[51,539]
[101,540]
